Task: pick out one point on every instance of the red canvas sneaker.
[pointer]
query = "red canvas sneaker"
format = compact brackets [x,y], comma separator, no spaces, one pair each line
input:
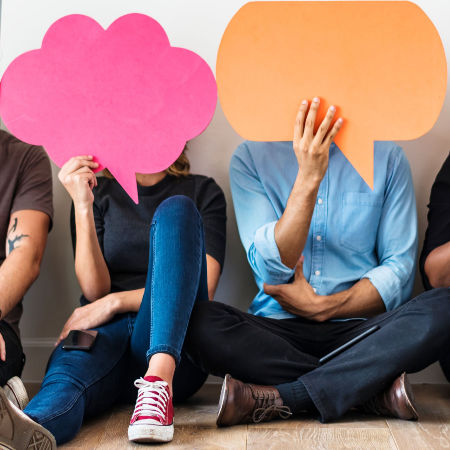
[152,419]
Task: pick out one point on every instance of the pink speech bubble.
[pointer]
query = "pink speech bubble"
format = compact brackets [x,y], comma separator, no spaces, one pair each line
[123,95]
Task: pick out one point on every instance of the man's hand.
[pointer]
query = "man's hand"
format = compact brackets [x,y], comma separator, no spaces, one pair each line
[90,316]
[2,348]
[312,150]
[299,297]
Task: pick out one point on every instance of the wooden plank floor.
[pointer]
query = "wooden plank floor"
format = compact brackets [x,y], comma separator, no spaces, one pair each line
[195,428]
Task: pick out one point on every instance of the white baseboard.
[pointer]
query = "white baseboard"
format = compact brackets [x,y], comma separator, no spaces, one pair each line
[38,351]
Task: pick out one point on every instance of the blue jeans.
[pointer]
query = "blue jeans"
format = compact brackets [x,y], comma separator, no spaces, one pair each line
[79,384]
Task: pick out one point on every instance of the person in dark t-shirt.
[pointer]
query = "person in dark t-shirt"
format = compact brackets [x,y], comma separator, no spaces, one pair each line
[26,210]
[435,257]
[141,267]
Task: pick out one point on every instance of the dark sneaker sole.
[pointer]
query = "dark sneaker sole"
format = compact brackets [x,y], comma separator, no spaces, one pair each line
[19,432]
[222,401]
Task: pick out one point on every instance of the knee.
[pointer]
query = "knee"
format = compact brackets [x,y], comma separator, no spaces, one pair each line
[175,208]
[432,310]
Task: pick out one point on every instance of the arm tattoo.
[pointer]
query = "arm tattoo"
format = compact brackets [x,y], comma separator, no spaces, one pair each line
[14,226]
[14,242]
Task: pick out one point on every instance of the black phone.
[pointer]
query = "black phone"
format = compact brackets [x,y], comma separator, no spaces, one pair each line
[348,344]
[79,340]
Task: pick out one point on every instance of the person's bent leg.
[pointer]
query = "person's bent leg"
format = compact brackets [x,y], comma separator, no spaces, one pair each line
[224,340]
[409,339]
[80,383]
[176,279]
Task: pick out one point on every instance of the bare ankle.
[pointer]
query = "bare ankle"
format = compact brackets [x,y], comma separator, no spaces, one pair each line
[162,365]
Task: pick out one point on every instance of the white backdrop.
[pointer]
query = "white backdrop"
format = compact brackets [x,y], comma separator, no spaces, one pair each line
[197,25]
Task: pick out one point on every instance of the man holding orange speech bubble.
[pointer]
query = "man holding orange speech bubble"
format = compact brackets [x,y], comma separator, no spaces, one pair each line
[334,262]
[328,221]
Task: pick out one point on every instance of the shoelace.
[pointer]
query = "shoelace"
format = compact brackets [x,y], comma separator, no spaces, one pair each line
[152,399]
[265,409]
[261,413]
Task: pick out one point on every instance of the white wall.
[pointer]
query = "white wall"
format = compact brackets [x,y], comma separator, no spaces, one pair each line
[197,25]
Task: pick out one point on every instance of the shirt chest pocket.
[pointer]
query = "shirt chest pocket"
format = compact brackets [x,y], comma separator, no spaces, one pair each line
[359,220]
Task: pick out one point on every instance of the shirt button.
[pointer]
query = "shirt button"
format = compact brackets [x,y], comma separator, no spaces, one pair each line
[314,289]
[319,201]
[319,238]
[317,272]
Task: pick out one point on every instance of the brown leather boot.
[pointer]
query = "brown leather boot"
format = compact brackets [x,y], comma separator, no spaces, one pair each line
[248,403]
[396,401]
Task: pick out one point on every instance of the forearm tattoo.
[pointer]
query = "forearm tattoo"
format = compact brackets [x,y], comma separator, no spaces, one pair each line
[14,239]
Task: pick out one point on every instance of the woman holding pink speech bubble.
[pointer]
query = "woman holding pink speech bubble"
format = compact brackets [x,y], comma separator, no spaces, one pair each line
[141,267]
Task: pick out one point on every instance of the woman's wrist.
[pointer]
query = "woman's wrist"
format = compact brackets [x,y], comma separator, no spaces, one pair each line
[115,302]
[83,208]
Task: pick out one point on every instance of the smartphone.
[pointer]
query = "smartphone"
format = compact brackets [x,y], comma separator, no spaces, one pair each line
[348,344]
[79,340]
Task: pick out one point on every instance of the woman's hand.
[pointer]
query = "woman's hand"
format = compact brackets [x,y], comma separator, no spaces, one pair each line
[312,150]
[91,316]
[78,178]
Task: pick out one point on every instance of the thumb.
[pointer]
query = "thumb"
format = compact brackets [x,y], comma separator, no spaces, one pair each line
[299,269]
[272,289]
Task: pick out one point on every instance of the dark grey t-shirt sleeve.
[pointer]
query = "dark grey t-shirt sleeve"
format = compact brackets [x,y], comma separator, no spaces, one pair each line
[213,209]
[35,186]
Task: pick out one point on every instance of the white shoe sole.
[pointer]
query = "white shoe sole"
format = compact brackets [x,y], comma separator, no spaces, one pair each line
[150,433]
[16,392]
[19,432]
[222,400]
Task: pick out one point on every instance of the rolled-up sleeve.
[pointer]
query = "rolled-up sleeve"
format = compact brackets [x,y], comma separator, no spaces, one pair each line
[256,219]
[397,236]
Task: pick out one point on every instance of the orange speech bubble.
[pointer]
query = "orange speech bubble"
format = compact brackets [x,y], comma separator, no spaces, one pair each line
[381,63]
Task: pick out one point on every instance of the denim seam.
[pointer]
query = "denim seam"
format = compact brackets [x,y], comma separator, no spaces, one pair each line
[152,289]
[64,411]
[82,391]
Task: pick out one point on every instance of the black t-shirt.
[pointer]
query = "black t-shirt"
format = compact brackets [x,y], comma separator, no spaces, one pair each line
[123,227]
[438,231]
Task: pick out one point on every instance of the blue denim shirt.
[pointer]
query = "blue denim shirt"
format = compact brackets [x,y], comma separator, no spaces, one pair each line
[355,232]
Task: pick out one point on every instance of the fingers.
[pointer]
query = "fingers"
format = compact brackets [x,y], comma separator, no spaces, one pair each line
[85,176]
[300,121]
[311,118]
[325,125]
[86,173]
[272,289]
[2,349]
[333,132]
[75,164]
[64,333]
